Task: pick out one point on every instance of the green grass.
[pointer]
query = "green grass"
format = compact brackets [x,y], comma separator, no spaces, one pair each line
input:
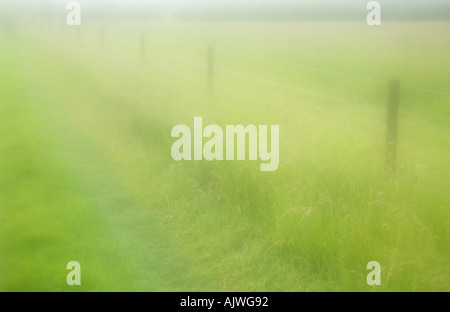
[86,172]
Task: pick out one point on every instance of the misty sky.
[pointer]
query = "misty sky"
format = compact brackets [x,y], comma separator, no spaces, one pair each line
[245,9]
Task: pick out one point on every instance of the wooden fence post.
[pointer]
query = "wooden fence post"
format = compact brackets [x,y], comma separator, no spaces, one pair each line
[392,126]
[102,38]
[210,70]
[142,48]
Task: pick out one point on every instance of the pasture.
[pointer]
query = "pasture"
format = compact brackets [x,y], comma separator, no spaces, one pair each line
[86,172]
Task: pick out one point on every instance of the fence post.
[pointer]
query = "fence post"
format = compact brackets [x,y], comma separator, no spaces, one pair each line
[392,126]
[102,38]
[142,48]
[210,70]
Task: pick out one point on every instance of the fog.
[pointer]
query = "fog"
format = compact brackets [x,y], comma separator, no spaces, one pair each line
[279,10]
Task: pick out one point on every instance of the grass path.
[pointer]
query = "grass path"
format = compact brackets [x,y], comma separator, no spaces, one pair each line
[60,200]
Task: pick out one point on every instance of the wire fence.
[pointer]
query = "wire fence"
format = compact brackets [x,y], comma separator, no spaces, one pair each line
[144,39]
[311,92]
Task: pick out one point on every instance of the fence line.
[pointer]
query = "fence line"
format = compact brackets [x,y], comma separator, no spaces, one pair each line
[410,119]
[317,94]
[311,68]
[407,118]
[302,66]
[268,81]
[272,82]
[195,77]
[332,72]
[337,126]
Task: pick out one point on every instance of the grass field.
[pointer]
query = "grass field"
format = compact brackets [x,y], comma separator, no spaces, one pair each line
[86,172]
